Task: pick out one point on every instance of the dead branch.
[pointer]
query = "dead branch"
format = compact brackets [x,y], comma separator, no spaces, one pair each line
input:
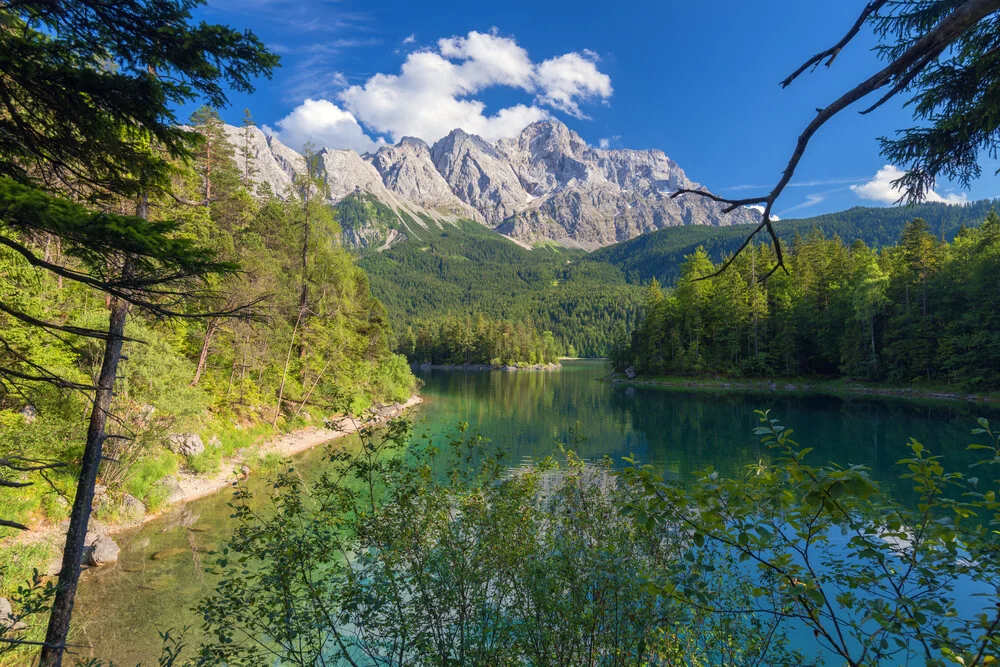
[900,73]
[831,53]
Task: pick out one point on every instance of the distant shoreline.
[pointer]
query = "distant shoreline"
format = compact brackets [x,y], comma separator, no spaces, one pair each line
[807,386]
[486,367]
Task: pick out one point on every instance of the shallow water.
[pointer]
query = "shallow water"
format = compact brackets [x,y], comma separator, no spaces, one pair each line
[161,576]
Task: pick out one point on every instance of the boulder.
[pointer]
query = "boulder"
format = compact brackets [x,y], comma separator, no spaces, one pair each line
[103,552]
[630,373]
[132,507]
[185,444]
[172,489]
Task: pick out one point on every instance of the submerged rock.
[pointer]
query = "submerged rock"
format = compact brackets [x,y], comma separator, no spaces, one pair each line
[164,554]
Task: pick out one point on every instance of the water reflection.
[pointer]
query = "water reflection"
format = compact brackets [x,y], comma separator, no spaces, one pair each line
[161,574]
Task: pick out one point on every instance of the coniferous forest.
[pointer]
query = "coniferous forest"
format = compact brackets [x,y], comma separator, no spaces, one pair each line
[923,311]
[478,341]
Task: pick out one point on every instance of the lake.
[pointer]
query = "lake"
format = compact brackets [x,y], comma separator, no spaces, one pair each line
[160,575]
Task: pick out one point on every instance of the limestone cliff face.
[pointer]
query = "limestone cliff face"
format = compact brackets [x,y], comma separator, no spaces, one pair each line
[545,185]
[408,170]
[480,175]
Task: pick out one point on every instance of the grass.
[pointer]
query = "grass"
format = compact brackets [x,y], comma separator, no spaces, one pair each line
[17,564]
[143,484]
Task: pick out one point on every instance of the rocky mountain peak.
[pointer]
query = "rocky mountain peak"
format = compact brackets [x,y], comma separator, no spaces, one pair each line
[545,184]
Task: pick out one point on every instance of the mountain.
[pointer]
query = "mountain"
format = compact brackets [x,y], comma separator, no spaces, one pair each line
[544,186]
[586,299]
[660,254]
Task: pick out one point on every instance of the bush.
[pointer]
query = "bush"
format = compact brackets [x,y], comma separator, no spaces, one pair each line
[428,554]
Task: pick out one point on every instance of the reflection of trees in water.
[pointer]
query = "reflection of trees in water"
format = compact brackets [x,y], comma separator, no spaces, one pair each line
[689,430]
[683,431]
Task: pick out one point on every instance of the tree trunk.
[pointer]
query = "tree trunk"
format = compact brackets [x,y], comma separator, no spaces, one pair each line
[213,324]
[69,574]
[284,374]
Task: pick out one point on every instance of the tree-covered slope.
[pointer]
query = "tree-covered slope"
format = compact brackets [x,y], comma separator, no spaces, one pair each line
[660,254]
[466,268]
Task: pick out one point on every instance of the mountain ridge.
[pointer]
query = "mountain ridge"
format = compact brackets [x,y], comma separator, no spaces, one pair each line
[546,185]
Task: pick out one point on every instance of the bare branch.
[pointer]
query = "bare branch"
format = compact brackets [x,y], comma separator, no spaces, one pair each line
[831,53]
[39,465]
[900,73]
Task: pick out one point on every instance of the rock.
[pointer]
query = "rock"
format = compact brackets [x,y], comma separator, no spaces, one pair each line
[185,444]
[164,554]
[133,507]
[545,184]
[146,413]
[408,170]
[631,373]
[214,441]
[29,413]
[245,471]
[103,552]
[171,489]
[7,619]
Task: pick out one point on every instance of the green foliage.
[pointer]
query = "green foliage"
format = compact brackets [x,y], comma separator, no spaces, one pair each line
[875,582]
[90,86]
[341,357]
[952,97]
[922,311]
[434,554]
[457,341]
[465,269]
[660,254]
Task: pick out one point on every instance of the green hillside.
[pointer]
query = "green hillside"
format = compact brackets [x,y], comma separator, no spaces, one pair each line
[465,268]
[660,254]
[585,300]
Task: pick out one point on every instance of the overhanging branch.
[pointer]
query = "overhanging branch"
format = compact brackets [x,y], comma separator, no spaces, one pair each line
[899,73]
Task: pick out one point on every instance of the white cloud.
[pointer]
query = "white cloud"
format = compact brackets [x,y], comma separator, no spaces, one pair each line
[434,92]
[606,142]
[570,79]
[811,200]
[326,125]
[760,209]
[410,39]
[881,189]
[339,79]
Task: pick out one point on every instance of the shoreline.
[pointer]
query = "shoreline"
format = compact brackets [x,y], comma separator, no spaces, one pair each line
[485,367]
[192,486]
[836,387]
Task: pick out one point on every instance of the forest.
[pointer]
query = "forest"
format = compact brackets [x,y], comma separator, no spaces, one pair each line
[315,342]
[465,269]
[923,311]
[478,341]
[660,254]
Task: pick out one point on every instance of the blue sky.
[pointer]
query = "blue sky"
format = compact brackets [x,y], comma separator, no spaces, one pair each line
[698,81]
